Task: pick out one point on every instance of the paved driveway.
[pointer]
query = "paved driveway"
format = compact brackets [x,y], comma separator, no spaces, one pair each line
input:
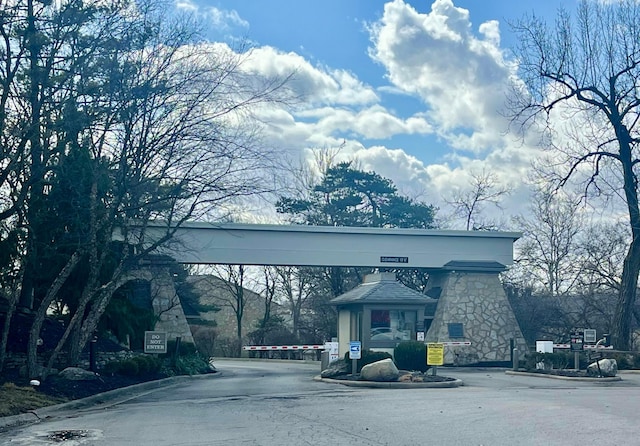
[278,403]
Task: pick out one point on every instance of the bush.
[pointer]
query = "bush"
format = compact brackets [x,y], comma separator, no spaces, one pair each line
[367,357]
[129,367]
[186,349]
[205,339]
[190,365]
[136,366]
[148,364]
[556,360]
[111,368]
[411,355]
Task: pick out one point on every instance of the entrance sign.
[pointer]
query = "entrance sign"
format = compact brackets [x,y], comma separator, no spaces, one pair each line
[393,259]
[155,342]
[590,336]
[435,353]
[355,351]
[577,343]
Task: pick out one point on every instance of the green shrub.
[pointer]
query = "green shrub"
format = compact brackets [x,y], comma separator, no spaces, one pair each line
[147,364]
[129,367]
[411,355]
[186,349]
[111,368]
[636,361]
[367,357]
[190,365]
[624,360]
[556,360]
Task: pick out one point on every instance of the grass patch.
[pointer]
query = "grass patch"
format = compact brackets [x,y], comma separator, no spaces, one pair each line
[15,399]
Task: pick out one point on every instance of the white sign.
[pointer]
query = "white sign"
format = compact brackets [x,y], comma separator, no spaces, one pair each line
[355,350]
[544,346]
[420,336]
[333,349]
[155,342]
[590,336]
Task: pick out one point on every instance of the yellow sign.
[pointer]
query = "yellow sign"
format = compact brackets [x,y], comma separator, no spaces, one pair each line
[435,354]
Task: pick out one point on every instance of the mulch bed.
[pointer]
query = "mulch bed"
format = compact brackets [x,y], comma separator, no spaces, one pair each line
[73,390]
[404,377]
[58,387]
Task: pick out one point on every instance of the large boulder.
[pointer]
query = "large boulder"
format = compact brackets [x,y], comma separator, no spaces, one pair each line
[384,370]
[336,368]
[604,367]
[77,374]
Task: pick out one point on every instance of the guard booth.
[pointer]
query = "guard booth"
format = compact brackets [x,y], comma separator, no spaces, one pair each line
[381,312]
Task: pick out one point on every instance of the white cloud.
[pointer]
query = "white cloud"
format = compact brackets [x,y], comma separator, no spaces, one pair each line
[225,19]
[461,77]
[187,5]
[220,19]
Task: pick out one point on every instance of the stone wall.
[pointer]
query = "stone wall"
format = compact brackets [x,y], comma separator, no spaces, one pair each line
[477,301]
[167,306]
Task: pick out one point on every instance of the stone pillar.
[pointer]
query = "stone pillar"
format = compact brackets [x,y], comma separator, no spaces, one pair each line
[167,306]
[476,300]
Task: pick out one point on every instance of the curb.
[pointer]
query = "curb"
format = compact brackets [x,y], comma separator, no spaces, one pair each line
[566,378]
[393,385]
[111,397]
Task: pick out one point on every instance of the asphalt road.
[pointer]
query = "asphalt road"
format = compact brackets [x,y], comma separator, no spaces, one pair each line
[278,403]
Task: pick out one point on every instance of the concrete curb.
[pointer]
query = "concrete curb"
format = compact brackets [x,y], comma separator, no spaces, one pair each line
[393,385]
[111,397]
[566,378]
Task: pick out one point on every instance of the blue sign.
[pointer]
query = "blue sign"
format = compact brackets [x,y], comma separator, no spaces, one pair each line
[355,350]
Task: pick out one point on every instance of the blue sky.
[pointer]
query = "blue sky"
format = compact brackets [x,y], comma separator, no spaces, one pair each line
[412,89]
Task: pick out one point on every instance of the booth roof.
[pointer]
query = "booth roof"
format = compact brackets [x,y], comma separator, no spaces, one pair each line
[382,288]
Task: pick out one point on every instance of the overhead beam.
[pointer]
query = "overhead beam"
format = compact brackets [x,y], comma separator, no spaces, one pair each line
[300,245]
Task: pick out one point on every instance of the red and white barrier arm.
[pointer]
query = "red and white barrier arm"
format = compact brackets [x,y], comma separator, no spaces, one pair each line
[263,348]
[586,347]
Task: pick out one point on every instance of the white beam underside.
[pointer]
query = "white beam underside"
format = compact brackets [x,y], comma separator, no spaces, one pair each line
[205,243]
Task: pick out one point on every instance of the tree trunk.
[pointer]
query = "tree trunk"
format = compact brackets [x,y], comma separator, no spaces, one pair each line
[6,327]
[36,326]
[621,335]
[627,296]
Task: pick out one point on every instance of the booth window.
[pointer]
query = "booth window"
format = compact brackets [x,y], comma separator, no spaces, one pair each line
[392,325]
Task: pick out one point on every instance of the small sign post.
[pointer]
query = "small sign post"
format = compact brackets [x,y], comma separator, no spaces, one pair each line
[577,345]
[155,342]
[435,355]
[355,353]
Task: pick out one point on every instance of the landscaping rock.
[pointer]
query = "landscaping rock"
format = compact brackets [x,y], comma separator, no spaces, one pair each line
[77,374]
[384,371]
[607,367]
[336,368]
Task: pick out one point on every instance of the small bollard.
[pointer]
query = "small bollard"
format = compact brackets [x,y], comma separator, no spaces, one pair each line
[516,358]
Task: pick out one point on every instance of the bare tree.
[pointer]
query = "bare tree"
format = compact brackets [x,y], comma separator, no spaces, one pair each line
[294,284]
[112,115]
[548,252]
[585,69]
[233,281]
[468,204]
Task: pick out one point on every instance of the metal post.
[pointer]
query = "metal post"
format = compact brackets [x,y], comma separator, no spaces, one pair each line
[515,355]
[92,354]
[176,353]
[576,360]
[354,366]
